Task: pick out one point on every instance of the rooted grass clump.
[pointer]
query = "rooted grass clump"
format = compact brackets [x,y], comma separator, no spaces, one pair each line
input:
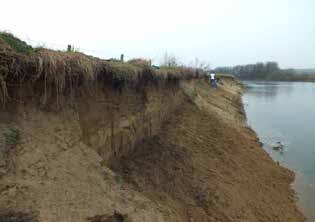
[12,137]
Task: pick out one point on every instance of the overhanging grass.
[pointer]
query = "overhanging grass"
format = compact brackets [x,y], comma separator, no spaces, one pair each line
[56,74]
[15,43]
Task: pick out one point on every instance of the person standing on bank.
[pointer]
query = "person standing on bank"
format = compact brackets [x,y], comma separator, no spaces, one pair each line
[213,80]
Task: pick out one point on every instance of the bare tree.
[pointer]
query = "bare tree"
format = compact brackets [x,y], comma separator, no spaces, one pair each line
[169,61]
[203,65]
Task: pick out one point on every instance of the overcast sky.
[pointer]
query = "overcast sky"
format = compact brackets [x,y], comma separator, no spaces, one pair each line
[221,32]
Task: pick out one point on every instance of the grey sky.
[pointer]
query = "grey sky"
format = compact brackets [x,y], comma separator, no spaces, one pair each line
[221,32]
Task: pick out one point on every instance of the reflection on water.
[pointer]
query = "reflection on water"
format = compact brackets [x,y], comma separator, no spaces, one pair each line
[269,90]
[285,112]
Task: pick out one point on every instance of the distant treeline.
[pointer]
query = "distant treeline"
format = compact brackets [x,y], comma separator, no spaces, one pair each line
[269,71]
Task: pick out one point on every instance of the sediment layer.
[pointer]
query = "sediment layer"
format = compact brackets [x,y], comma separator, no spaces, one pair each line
[162,154]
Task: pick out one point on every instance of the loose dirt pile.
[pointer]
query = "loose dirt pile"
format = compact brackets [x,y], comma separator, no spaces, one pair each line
[201,164]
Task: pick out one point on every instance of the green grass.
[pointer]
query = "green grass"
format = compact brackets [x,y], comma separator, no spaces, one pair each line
[16,44]
[12,137]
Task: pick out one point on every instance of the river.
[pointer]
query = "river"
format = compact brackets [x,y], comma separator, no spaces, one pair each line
[285,112]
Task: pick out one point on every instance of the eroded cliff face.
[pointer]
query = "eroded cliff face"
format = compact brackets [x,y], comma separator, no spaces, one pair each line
[60,168]
[160,154]
[112,122]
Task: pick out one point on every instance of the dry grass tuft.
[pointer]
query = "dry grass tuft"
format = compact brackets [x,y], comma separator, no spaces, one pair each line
[56,74]
[140,62]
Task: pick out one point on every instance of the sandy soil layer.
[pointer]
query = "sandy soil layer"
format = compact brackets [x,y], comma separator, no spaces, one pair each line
[202,164]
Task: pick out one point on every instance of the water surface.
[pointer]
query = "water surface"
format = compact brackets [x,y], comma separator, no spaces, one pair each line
[283,111]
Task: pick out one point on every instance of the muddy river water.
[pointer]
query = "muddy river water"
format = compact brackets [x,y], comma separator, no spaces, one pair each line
[284,113]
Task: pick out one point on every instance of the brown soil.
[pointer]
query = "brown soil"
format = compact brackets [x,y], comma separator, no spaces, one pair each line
[197,163]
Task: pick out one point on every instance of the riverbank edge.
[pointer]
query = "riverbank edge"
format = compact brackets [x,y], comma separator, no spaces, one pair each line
[243,110]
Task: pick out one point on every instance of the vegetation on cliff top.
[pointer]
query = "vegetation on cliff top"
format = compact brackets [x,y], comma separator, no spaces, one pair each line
[15,44]
[52,74]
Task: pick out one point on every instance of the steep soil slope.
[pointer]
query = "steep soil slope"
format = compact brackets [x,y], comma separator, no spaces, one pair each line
[205,165]
[161,155]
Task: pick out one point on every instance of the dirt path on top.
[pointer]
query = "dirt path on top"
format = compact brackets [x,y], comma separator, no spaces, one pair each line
[206,165]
